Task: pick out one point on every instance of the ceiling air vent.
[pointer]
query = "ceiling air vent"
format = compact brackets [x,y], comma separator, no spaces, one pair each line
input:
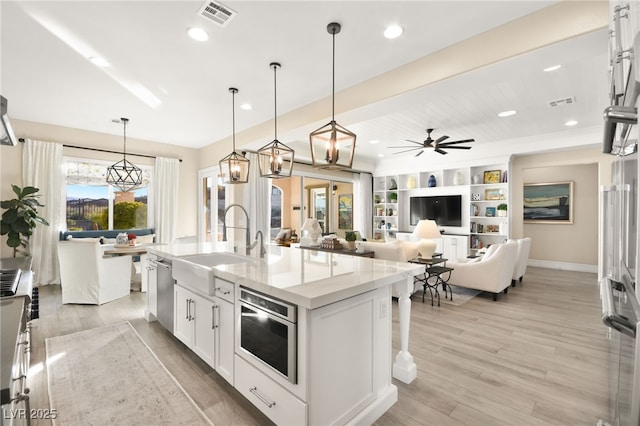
[561,101]
[217,13]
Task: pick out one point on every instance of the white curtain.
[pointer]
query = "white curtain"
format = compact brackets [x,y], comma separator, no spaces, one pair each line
[257,200]
[42,168]
[165,190]
[363,208]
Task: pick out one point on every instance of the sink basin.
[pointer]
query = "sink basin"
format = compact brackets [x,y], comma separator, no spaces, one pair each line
[194,271]
[215,259]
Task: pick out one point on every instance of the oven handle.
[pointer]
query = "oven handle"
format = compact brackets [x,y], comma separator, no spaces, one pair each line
[609,315]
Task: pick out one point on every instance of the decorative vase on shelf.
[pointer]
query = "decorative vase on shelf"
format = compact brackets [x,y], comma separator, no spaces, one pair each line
[458,178]
[431,183]
[394,184]
[411,182]
[475,179]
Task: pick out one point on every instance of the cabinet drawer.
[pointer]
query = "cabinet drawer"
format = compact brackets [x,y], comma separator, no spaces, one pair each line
[269,397]
[224,290]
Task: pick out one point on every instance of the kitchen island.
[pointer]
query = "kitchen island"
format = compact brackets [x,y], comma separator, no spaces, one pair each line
[338,367]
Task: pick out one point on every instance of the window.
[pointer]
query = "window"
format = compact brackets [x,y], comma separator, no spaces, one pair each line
[92,204]
[276,207]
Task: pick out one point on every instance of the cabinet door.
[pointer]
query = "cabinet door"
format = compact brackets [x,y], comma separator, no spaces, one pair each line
[182,324]
[202,313]
[224,341]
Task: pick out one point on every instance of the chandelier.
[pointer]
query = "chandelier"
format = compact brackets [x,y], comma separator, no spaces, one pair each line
[275,159]
[328,141]
[124,174]
[234,167]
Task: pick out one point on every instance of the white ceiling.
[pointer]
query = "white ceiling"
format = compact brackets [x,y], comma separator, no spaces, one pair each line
[47,78]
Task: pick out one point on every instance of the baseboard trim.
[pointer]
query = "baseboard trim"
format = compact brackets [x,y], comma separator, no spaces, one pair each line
[579,267]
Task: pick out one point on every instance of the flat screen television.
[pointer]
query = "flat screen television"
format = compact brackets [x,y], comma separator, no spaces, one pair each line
[446,210]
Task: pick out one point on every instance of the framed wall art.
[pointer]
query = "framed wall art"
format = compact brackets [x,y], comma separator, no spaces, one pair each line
[492,176]
[345,211]
[548,202]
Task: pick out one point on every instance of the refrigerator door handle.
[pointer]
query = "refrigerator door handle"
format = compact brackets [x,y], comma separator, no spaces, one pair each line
[610,317]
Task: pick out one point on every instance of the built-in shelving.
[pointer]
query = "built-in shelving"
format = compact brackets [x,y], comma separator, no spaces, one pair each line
[483,189]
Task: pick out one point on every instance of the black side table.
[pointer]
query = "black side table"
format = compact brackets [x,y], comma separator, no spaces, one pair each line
[433,276]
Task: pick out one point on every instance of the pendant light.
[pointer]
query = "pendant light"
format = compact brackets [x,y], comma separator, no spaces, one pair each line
[124,174]
[275,159]
[331,142]
[234,167]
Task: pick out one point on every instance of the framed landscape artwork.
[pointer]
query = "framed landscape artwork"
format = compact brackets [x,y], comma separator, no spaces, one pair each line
[345,211]
[548,202]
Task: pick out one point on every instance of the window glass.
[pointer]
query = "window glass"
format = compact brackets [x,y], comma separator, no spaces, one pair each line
[276,207]
[91,204]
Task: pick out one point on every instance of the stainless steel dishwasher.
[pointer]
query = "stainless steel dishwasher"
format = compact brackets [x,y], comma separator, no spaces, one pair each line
[165,292]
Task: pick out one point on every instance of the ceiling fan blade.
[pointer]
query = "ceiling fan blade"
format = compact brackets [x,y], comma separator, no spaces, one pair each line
[456,147]
[416,142]
[441,138]
[439,151]
[456,142]
[405,146]
[420,153]
[402,152]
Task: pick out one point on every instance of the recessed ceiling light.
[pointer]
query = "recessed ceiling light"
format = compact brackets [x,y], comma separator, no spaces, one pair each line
[393,31]
[374,141]
[380,155]
[246,107]
[507,113]
[552,68]
[98,61]
[198,34]
[571,123]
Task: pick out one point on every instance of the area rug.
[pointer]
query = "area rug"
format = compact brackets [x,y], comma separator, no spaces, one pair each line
[461,295]
[108,375]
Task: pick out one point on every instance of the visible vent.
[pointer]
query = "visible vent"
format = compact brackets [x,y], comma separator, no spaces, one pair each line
[561,101]
[217,13]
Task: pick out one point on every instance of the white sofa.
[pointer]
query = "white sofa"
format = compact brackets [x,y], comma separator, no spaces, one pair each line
[524,247]
[492,272]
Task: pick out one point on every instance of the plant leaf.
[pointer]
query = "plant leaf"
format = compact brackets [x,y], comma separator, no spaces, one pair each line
[28,190]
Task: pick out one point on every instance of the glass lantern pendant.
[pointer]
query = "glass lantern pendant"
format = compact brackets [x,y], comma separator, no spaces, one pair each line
[275,159]
[332,145]
[234,167]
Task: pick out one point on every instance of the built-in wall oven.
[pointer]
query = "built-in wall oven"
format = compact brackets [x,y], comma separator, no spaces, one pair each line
[268,333]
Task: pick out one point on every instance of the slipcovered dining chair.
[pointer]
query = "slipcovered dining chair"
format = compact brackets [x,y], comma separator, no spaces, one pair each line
[88,277]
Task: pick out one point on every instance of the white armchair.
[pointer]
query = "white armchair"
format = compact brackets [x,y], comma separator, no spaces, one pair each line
[524,247]
[491,273]
[88,277]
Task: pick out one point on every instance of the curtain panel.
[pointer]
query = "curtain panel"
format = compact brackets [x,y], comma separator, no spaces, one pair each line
[42,168]
[363,208]
[165,190]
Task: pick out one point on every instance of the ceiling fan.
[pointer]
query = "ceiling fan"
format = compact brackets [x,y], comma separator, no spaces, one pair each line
[438,145]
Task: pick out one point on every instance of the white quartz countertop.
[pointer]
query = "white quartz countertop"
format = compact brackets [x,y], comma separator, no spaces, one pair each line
[307,278]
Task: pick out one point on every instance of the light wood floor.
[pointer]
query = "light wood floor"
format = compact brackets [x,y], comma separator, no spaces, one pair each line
[537,356]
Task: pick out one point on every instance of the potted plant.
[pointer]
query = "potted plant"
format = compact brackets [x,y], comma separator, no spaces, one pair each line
[502,210]
[20,218]
[393,197]
[350,236]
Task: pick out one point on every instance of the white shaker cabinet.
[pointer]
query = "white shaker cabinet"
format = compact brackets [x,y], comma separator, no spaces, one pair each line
[206,325]
[194,323]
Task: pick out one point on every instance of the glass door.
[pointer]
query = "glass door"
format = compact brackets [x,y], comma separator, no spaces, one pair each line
[211,202]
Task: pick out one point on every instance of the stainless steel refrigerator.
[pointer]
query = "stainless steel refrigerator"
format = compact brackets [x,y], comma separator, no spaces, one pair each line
[620,242]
